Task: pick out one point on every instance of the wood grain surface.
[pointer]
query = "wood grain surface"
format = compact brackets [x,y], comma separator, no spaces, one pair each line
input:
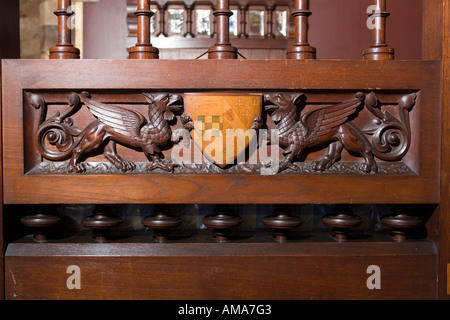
[211,270]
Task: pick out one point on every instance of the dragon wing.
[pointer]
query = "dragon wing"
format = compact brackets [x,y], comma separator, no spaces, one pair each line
[123,121]
[320,122]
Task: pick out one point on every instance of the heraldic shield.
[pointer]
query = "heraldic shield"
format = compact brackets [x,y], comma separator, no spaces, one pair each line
[223,124]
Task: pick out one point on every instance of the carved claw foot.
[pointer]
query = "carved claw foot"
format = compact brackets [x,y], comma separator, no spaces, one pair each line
[187,122]
[244,167]
[124,165]
[257,123]
[368,168]
[158,164]
[286,164]
[324,163]
[78,168]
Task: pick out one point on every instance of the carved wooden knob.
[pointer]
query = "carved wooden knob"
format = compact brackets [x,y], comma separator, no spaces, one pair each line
[281,223]
[161,223]
[222,221]
[401,224]
[101,224]
[40,223]
[342,223]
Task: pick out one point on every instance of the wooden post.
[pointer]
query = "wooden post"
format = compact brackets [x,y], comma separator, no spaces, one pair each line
[189,6]
[270,7]
[143,48]
[9,49]
[223,48]
[243,8]
[444,206]
[64,49]
[379,50]
[301,48]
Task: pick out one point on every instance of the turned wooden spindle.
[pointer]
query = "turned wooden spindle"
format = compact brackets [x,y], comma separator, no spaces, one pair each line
[270,7]
[162,223]
[223,48]
[402,225]
[243,8]
[162,8]
[40,223]
[101,223]
[379,50]
[222,221]
[301,49]
[341,222]
[143,48]
[282,222]
[64,48]
[189,6]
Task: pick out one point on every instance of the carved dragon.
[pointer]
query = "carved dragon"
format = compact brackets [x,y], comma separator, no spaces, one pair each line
[113,125]
[331,125]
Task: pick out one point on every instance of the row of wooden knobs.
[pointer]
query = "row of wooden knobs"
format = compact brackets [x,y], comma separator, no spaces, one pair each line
[223,221]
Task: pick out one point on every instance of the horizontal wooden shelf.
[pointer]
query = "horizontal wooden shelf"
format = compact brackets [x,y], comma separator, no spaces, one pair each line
[250,268]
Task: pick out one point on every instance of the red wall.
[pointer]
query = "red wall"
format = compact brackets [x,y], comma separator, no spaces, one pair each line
[338,28]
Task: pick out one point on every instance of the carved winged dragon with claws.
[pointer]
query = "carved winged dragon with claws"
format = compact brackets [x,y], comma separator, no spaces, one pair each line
[113,124]
[332,125]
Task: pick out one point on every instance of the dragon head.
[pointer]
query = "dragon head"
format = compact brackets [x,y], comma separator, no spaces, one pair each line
[280,105]
[165,103]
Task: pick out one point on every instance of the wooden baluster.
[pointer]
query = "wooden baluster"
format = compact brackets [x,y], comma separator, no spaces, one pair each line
[161,223]
[282,222]
[223,48]
[64,49]
[162,8]
[213,8]
[222,221]
[270,7]
[101,223]
[40,222]
[301,49]
[143,48]
[379,50]
[189,6]
[342,221]
[243,8]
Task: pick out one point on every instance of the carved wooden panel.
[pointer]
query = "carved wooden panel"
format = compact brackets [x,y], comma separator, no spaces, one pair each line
[219,133]
[118,127]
